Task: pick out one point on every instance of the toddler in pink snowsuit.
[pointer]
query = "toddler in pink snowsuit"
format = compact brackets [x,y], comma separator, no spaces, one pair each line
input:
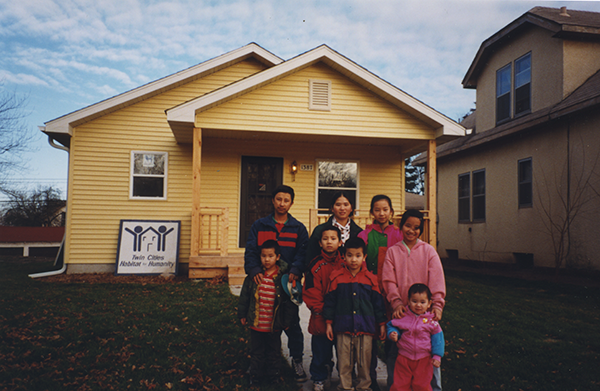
[420,344]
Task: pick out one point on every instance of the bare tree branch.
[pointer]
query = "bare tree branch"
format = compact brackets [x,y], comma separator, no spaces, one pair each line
[15,137]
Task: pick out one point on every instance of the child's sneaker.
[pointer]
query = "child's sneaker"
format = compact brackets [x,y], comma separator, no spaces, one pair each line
[299,371]
[319,385]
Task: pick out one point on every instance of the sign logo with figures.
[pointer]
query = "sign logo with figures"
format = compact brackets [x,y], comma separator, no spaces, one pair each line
[148,247]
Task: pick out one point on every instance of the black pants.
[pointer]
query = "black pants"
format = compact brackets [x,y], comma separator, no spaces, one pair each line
[265,354]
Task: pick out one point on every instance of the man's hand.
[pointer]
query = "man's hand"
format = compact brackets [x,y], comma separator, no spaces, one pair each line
[258,279]
[244,321]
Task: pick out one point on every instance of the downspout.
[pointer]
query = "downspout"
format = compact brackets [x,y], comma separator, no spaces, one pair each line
[60,257]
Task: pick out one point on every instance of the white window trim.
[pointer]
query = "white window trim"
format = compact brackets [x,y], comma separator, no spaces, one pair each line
[131,175]
[316,97]
[317,161]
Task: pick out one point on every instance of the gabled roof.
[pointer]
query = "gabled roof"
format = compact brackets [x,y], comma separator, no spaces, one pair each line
[181,118]
[585,97]
[565,24]
[63,126]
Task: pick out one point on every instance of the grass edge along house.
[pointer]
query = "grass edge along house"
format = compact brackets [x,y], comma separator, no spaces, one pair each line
[206,146]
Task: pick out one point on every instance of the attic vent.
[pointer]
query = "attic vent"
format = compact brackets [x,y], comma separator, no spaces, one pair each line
[319,95]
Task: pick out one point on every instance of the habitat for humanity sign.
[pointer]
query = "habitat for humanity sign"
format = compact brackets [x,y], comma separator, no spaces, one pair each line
[148,247]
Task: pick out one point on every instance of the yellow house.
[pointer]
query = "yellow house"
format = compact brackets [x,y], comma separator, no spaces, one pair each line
[207,145]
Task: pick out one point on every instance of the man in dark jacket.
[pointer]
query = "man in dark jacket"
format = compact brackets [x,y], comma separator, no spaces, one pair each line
[292,238]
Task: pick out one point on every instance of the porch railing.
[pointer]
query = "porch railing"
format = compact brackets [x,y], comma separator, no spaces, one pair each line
[362,218]
[214,227]
[213,234]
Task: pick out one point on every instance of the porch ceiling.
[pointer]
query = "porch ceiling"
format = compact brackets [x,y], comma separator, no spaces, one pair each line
[407,146]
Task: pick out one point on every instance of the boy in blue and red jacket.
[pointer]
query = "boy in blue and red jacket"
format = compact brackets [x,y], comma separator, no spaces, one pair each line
[355,313]
[292,237]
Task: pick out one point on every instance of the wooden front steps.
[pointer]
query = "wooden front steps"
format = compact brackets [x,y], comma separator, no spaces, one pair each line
[211,266]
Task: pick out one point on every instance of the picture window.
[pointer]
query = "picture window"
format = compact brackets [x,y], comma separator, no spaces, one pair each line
[333,177]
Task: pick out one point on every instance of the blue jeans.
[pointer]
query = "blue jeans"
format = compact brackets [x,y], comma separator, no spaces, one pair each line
[322,357]
[295,341]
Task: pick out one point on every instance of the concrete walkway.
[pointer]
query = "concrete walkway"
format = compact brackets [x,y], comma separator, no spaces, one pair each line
[308,385]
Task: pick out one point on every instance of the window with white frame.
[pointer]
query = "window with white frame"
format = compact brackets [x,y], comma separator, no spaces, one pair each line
[333,177]
[148,175]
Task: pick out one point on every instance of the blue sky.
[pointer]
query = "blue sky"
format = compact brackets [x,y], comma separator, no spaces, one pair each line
[68,54]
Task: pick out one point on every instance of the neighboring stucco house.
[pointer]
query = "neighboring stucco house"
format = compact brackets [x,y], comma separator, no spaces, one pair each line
[215,139]
[533,154]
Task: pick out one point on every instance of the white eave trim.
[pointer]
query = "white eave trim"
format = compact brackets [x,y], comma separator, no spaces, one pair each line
[186,112]
[66,123]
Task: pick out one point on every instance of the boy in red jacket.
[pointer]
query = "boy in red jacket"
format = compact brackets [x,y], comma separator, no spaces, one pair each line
[316,285]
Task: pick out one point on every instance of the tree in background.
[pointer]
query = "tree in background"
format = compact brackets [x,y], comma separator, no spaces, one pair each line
[567,197]
[414,180]
[42,207]
[15,137]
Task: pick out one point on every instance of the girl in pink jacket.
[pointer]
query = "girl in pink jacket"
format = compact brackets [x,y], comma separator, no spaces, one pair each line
[409,262]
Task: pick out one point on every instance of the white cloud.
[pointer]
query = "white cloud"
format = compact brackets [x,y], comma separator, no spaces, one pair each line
[20,79]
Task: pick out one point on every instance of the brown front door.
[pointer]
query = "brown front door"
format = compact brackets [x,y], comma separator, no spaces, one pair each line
[260,176]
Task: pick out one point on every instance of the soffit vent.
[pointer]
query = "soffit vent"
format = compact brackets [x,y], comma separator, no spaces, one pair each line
[320,95]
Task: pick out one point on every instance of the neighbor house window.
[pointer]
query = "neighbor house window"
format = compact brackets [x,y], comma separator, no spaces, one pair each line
[471,197]
[149,175]
[333,177]
[503,83]
[479,195]
[525,183]
[464,197]
[523,84]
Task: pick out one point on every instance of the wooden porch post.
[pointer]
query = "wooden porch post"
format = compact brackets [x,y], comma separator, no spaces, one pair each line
[196,168]
[432,191]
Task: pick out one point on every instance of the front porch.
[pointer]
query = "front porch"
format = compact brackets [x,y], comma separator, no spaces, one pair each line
[211,257]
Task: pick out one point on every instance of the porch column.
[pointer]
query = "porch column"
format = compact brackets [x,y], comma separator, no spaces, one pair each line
[196,168]
[432,191]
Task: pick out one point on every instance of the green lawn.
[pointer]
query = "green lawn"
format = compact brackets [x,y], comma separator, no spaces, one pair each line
[502,334]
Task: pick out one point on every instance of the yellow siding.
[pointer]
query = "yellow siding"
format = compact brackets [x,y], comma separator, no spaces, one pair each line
[100,169]
[380,171]
[282,106]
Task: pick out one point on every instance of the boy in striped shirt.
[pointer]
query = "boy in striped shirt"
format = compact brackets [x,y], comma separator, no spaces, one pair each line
[266,310]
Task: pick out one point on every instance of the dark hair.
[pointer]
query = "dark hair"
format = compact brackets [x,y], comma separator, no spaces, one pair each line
[355,242]
[412,213]
[339,194]
[381,197]
[271,243]
[283,189]
[332,227]
[419,288]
